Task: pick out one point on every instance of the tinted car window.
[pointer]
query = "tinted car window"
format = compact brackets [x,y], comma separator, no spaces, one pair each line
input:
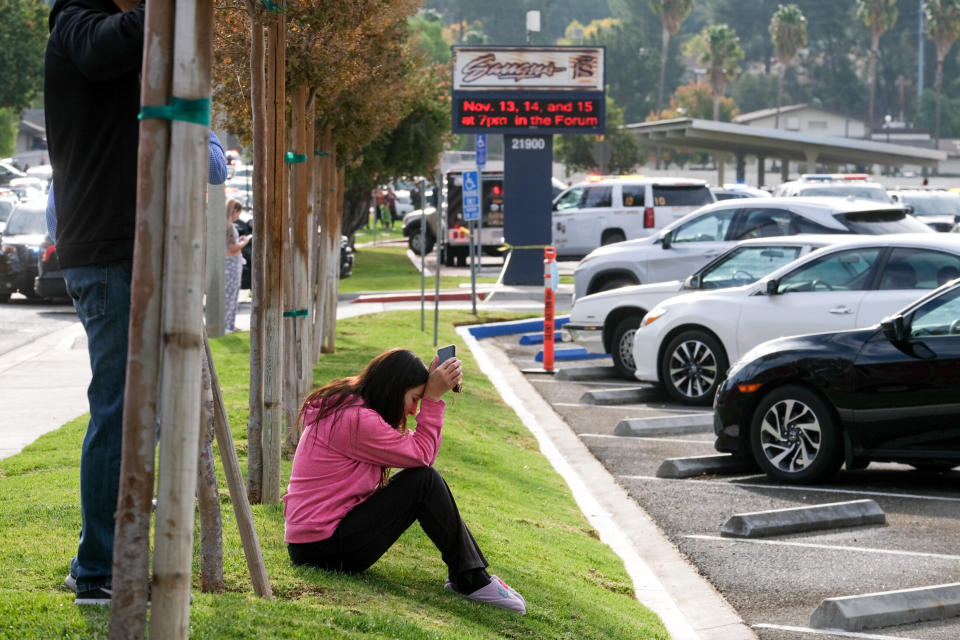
[918,269]
[938,317]
[706,228]
[681,196]
[26,219]
[746,265]
[633,195]
[598,197]
[570,200]
[842,271]
[845,191]
[879,222]
[763,223]
[932,204]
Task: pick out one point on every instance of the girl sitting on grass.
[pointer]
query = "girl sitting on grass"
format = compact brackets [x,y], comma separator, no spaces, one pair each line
[343,510]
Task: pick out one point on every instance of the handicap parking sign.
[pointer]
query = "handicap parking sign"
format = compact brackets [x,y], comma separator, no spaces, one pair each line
[471,195]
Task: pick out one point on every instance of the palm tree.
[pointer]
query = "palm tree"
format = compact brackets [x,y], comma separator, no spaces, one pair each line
[879,16]
[943,27]
[672,13]
[788,29]
[718,47]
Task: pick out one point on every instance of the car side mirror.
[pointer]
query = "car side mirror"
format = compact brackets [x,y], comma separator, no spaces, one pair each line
[667,240]
[773,287]
[956,218]
[894,328]
[910,209]
[693,282]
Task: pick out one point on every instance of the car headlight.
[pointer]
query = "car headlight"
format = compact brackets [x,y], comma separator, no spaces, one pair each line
[652,316]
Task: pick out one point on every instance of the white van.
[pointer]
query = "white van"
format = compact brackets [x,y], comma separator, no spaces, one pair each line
[603,210]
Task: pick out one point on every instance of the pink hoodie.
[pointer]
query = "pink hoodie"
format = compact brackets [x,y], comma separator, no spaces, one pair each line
[338,464]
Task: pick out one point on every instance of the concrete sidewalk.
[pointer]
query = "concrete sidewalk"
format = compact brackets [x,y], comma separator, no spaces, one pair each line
[43,386]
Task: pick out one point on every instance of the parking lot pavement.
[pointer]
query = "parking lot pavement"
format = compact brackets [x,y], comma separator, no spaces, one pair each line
[774,583]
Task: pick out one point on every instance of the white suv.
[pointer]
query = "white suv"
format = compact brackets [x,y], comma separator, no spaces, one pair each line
[602,211]
[843,185]
[687,244]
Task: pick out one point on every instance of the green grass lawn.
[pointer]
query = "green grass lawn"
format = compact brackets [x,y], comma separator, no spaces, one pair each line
[389,269]
[518,508]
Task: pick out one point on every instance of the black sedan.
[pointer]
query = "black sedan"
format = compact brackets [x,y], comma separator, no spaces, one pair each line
[804,405]
[23,243]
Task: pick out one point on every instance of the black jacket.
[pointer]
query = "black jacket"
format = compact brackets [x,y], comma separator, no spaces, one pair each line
[91,99]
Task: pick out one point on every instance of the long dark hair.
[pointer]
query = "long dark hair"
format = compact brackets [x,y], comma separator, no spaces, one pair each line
[381,386]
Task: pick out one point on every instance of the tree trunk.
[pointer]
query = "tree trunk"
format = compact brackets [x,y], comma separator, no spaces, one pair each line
[329,249]
[306,346]
[208,497]
[258,109]
[938,85]
[874,54]
[131,550]
[330,329]
[780,77]
[297,276]
[274,265]
[182,328]
[664,51]
[716,105]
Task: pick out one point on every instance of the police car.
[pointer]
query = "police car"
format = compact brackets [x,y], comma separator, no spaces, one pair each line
[844,185]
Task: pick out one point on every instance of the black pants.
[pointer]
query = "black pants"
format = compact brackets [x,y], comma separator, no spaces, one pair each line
[372,527]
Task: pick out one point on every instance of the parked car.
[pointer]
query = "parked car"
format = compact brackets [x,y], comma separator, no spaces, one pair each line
[937,208]
[244,227]
[687,341]
[605,210]
[686,245]
[804,405]
[7,205]
[732,191]
[9,172]
[607,321]
[23,241]
[844,185]
[49,282]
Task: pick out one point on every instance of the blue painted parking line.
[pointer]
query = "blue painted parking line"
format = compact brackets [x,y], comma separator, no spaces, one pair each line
[493,329]
[572,353]
[537,338]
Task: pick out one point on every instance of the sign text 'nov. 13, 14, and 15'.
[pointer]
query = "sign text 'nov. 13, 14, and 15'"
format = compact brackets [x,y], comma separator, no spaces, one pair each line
[483,114]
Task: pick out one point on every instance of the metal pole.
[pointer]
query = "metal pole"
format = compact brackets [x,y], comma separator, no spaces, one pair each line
[473,266]
[921,40]
[423,254]
[441,237]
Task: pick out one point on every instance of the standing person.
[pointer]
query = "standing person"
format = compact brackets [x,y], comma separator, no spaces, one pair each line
[343,510]
[233,271]
[91,101]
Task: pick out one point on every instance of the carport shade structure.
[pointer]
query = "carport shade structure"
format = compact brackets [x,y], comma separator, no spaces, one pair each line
[742,140]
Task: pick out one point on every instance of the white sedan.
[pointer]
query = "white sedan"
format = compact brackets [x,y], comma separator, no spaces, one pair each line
[688,341]
[605,322]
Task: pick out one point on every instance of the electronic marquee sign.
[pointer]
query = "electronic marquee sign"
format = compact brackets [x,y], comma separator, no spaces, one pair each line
[528,90]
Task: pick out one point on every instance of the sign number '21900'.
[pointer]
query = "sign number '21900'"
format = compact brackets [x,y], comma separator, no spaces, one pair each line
[528,144]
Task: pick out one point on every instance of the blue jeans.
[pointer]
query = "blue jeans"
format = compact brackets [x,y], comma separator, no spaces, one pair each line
[101,296]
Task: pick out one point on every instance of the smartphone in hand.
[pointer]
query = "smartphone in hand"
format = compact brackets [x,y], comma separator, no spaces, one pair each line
[444,354]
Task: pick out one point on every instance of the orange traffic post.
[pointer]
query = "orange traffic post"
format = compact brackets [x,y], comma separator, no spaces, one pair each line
[549,298]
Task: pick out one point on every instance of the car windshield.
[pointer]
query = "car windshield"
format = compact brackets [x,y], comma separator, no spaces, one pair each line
[745,265]
[863,192]
[5,208]
[933,204]
[26,220]
[880,222]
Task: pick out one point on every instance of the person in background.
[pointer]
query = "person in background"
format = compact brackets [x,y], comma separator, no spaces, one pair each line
[233,270]
[91,102]
[343,510]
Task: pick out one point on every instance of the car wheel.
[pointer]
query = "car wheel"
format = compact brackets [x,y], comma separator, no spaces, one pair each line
[612,236]
[414,244]
[693,365]
[621,346]
[794,436]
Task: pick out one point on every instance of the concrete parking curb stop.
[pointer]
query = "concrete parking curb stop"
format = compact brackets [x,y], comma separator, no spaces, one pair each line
[803,519]
[703,465]
[629,395]
[875,610]
[576,374]
[664,581]
[667,426]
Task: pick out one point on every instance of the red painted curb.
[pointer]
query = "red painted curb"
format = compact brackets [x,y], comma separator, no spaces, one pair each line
[415,297]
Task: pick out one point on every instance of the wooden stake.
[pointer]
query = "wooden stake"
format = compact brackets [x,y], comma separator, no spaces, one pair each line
[231,469]
[131,555]
[182,327]
[333,264]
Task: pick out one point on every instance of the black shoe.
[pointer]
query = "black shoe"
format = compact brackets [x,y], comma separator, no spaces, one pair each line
[100,596]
